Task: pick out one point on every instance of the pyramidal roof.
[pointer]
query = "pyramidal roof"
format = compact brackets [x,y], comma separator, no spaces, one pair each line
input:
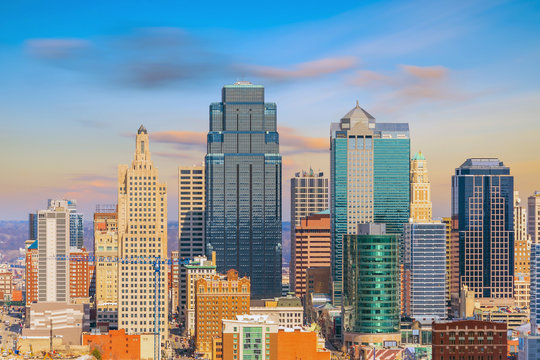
[142,130]
[358,113]
[418,156]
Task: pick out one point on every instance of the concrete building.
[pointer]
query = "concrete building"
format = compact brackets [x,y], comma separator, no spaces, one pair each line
[529,347]
[522,290]
[535,286]
[533,210]
[219,298]
[6,286]
[522,245]
[31,271]
[174,282]
[421,207]
[116,344]
[68,321]
[311,248]
[53,252]
[198,268]
[106,264]
[370,308]
[76,227]
[469,339]
[512,316]
[482,203]
[425,269]
[369,180]
[142,237]
[285,311]
[243,187]
[191,204]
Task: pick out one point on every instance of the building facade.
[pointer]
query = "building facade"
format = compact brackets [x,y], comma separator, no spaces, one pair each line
[31,271]
[469,339]
[285,311]
[219,298]
[53,252]
[482,203]
[369,180]
[142,238]
[174,282]
[522,245]
[6,286]
[243,187]
[535,286]
[533,210]
[425,269]
[191,203]
[371,308]
[76,228]
[421,207]
[79,274]
[311,248]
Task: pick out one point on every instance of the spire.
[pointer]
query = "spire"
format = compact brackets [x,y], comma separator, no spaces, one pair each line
[357,105]
[142,130]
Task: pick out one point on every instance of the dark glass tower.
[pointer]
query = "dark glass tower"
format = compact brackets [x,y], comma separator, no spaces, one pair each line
[243,188]
[482,204]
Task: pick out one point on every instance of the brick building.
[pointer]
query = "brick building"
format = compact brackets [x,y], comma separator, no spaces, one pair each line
[470,340]
[119,345]
[216,299]
[79,273]
[31,271]
[6,286]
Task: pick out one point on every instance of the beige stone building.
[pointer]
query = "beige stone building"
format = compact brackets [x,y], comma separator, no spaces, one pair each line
[106,260]
[421,207]
[142,235]
[285,311]
[522,240]
[533,205]
[191,211]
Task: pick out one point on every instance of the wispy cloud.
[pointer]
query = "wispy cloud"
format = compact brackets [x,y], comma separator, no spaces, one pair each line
[292,142]
[310,69]
[57,49]
[179,137]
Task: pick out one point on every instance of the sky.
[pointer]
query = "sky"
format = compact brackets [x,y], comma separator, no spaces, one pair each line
[77,79]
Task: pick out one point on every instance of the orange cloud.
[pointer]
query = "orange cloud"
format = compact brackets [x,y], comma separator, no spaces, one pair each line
[308,69]
[289,137]
[426,72]
[179,137]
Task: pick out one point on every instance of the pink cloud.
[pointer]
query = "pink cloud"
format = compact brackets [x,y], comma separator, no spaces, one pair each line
[179,137]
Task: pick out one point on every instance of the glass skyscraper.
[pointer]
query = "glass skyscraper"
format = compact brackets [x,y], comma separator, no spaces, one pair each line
[535,286]
[482,204]
[369,180]
[243,188]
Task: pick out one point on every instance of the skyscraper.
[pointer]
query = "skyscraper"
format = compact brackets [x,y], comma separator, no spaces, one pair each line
[421,207]
[522,248]
[309,195]
[243,187]
[482,203]
[533,205]
[535,287]
[191,211]
[76,228]
[369,180]
[142,234]
[425,269]
[53,252]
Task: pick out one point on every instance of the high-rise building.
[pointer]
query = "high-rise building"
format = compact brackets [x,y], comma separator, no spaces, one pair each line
[522,245]
[106,264]
[533,205]
[421,206]
[53,252]
[369,180]
[425,269]
[311,248]
[174,282]
[31,270]
[32,226]
[482,204]
[198,268]
[371,311]
[535,287]
[243,187]
[218,298]
[79,274]
[76,228]
[447,221]
[191,211]
[142,237]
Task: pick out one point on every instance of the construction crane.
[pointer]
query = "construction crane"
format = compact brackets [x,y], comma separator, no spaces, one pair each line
[157,300]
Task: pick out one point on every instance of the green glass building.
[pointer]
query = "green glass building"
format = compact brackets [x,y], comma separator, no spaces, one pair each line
[371,281]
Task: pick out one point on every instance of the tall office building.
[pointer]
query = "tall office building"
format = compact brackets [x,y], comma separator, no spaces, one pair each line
[522,247]
[243,187]
[106,263]
[53,252]
[31,270]
[142,235]
[32,226]
[533,205]
[482,204]
[535,287]
[76,228]
[309,195]
[425,270]
[370,286]
[191,211]
[421,207]
[369,180]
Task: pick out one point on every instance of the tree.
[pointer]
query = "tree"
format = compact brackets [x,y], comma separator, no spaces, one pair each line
[95,353]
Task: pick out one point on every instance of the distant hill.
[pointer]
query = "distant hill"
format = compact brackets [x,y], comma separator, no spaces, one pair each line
[13,234]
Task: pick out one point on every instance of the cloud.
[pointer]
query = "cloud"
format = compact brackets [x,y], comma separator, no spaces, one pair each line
[56,49]
[310,69]
[179,137]
[296,143]
[426,72]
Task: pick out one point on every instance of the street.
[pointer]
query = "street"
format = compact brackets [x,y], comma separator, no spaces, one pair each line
[10,328]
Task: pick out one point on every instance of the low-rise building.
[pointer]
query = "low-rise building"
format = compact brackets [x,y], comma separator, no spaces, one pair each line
[6,286]
[511,316]
[466,339]
[522,290]
[119,345]
[285,311]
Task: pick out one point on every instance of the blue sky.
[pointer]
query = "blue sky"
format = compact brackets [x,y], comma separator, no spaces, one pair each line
[78,78]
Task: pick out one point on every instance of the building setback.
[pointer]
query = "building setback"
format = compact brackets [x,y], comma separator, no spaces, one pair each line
[533,207]
[369,180]
[243,187]
[482,204]
[191,202]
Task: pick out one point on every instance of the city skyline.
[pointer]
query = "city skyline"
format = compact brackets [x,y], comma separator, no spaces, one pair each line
[452,86]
